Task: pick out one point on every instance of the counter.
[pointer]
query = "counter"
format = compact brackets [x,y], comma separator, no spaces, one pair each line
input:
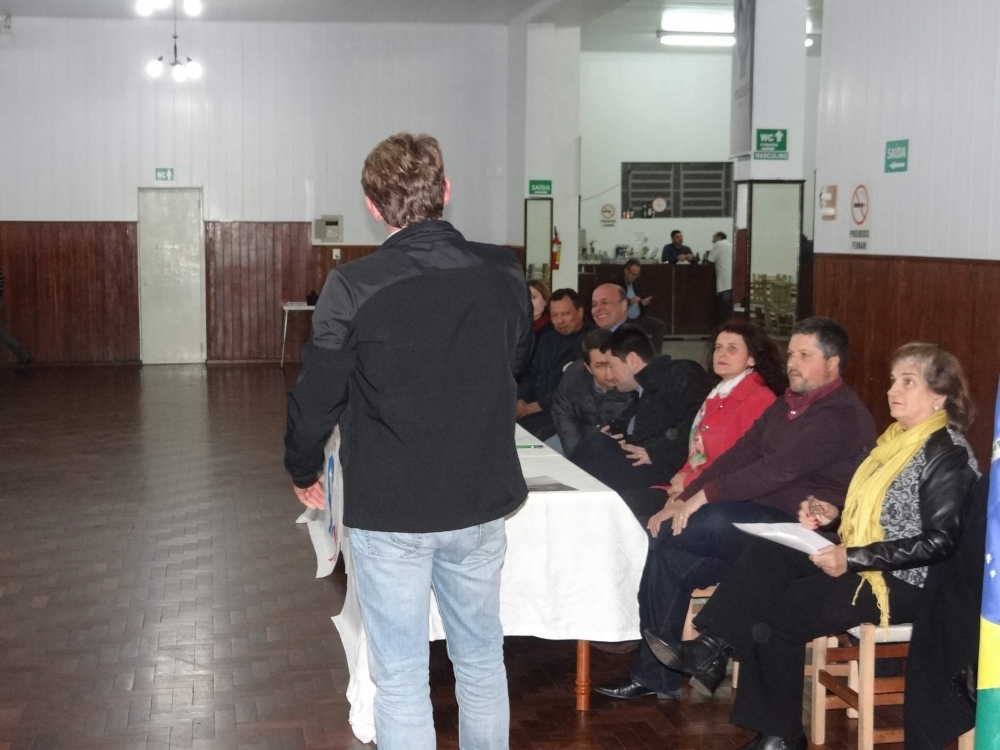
[683,296]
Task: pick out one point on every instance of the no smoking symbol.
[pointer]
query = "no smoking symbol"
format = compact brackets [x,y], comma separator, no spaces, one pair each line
[859,205]
[607,211]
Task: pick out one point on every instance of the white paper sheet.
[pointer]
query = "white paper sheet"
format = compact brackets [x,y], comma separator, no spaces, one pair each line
[792,535]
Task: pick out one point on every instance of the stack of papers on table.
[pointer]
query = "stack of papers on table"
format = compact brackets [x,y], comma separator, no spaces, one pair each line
[792,535]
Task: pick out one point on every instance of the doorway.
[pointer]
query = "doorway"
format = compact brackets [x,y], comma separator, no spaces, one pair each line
[538,238]
[172,320]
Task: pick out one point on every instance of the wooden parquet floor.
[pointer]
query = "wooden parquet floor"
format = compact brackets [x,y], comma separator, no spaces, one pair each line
[155,592]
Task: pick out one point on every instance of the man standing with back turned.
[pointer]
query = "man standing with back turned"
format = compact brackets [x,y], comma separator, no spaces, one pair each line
[414,351]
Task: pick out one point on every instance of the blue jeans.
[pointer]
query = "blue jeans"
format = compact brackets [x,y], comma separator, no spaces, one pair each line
[698,557]
[395,573]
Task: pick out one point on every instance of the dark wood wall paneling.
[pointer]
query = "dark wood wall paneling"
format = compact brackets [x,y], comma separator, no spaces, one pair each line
[253,268]
[72,290]
[885,302]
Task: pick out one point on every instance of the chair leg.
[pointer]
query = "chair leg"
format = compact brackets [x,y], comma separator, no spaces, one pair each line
[852,683]
[866,688]
[968,740]
[689,633]
[818,692]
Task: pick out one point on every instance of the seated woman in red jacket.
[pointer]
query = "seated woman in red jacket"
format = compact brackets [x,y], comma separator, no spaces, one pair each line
[751,377]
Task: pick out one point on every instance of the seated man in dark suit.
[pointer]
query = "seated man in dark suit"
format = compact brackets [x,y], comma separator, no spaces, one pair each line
[805,446]
[554,352]
[587,399]
[655,442]
[629,280]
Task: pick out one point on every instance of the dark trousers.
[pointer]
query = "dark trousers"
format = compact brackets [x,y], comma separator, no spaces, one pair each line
[652,327]
[769,607]
[600,456]
[699,556]
[724,305]
[539,424]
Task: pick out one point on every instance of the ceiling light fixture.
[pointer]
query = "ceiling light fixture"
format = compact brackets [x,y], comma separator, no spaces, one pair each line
[179,71]
[699,20]
[696,40]
[809,42]
[192,7]
[145,8]
[809,26]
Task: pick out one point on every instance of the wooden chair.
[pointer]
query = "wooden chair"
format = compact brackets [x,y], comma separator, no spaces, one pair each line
[862,691]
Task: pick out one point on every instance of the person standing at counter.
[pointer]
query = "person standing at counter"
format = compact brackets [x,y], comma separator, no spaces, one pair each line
[676,251]
[628,280]
[721,255]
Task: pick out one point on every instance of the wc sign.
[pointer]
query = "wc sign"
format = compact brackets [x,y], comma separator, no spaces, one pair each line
[772,145]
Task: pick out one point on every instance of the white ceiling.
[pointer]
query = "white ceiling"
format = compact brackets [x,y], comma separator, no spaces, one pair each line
[633,26]
[400,11]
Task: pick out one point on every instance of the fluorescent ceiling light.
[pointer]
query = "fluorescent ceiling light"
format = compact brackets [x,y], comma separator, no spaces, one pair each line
[699,20]
[697,40]
[809,26]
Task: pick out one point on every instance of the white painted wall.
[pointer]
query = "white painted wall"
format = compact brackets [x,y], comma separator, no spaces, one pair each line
[926,71]
[277,130]
[669,106]
[552,117]
[810,201]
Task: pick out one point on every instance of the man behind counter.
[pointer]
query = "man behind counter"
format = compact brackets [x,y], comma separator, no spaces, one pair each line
[676,251]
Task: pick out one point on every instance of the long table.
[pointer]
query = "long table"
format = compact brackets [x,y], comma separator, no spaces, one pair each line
[572,572]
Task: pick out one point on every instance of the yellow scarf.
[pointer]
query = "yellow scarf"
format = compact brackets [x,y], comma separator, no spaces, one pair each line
[863,508]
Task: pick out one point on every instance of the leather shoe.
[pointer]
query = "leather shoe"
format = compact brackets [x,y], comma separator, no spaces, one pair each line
[707,681]
[628,689]
[689,657]
[769,742]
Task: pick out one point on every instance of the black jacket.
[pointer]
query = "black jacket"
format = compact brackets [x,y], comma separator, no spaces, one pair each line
[577,413]
[945,484]
[941,669]
[415,351]
[619,280]
[672,392]
[553,353]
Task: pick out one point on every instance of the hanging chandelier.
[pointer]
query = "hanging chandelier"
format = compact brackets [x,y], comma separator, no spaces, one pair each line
[180,70]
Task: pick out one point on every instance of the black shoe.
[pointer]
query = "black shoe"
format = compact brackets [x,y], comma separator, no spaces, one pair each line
[689,657]
[628,689]
[707,681]
[768,742]
[754,743]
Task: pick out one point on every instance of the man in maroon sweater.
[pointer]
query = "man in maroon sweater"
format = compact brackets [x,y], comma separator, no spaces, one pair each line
[807,444]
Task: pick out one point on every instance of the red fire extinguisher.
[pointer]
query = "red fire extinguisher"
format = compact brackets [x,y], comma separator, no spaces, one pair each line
[556,250]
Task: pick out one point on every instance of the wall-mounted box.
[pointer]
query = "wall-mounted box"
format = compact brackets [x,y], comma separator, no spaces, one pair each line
[328,230]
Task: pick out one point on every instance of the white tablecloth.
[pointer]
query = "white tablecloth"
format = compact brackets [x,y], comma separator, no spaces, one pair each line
[572,571]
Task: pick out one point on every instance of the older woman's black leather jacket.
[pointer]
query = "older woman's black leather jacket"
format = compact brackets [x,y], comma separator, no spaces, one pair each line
[945,487]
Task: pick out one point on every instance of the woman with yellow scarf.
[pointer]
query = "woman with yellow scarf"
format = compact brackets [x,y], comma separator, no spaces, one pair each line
[903,512]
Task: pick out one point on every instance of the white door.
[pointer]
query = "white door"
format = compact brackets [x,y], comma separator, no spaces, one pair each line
[171,276]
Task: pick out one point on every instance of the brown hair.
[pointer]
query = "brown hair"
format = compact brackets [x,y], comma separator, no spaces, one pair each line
[767,360]
[943,375]
[404,177]
[543,289]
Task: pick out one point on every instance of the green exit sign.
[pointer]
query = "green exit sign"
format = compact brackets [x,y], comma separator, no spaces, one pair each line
[897,156]
[164,174]
[539,187]
[772,144]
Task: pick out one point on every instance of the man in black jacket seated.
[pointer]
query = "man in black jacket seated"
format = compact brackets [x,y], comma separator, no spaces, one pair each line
[629,280]
[655,442]
[556,350]
[587,399]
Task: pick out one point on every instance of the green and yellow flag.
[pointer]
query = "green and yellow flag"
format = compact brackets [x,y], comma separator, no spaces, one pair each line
[988,694]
